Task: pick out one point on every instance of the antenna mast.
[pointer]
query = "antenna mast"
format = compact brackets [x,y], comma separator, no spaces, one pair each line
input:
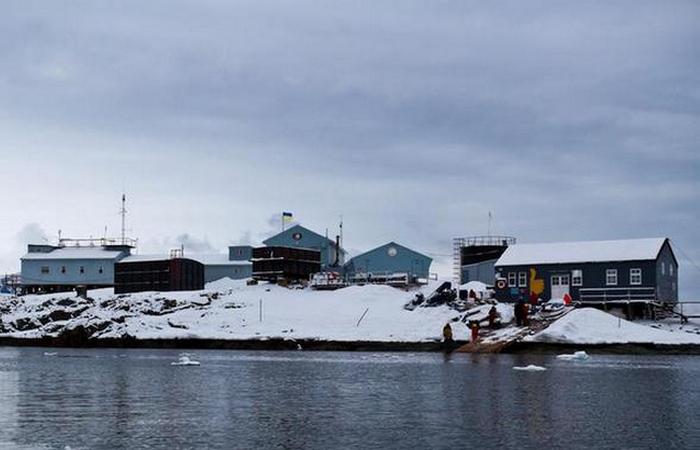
[123,214]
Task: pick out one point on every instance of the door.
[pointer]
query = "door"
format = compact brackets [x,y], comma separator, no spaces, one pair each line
[560,286]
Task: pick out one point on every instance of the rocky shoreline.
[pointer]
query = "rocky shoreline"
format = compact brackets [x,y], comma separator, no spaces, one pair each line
[78,339]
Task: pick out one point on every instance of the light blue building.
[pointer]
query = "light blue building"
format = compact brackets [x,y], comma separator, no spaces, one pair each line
[387,260]
[301,237]
[49,268]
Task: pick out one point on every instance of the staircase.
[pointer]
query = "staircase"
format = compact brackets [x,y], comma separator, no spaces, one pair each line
[495,341]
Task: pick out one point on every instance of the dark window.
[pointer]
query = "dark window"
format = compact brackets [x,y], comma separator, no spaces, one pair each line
[82,269]
[63,269]
[100,270]
[45,269]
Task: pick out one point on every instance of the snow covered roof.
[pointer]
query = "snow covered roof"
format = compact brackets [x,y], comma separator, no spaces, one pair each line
[207,260]
[581,252]
[73,253]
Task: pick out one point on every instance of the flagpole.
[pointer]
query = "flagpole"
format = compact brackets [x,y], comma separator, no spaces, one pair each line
[283,222]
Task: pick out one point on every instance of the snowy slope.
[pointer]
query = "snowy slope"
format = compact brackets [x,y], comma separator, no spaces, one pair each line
[229,309]
[592,326]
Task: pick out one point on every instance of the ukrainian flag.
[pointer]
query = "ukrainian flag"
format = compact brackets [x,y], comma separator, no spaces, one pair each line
[287,217]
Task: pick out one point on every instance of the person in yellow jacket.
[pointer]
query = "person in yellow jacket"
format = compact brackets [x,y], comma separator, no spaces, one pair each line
[447,333]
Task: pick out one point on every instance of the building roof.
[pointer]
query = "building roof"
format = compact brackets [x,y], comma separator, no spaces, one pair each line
[304,231]
[74,253]
[581,252]
[207,260]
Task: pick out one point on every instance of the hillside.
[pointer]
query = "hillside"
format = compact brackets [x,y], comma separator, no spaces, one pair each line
[231,310]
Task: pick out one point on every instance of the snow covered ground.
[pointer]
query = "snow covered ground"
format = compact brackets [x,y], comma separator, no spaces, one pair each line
[229,309]
[592,326]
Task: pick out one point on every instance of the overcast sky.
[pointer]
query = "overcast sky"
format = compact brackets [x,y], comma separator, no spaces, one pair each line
[569,120]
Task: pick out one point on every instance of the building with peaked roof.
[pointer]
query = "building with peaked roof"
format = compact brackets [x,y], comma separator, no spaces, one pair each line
[631,270]
[387,261]
[297,236]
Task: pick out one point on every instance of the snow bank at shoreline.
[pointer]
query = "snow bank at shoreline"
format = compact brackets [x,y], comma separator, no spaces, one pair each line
[230,310]
[592,326]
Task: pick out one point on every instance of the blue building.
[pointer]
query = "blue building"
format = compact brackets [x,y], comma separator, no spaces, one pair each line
[301,237]
[389,260]
[632,270]
[49,268]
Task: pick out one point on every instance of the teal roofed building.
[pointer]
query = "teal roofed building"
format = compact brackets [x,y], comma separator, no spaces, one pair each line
[301,237]
[387,260]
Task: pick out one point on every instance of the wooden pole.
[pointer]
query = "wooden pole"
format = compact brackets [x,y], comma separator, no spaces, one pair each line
[363,316]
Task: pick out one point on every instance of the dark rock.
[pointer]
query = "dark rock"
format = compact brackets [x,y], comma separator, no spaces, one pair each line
[65,302]
[177,325]
[59,314]
[24,324]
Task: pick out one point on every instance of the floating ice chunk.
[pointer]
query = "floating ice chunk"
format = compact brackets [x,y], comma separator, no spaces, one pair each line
[184,360]
[530,368]
[50,354]
[576,356]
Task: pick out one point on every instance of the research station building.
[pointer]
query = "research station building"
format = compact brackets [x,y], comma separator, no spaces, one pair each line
[72,263]
[475,257]
[632,270]
[297,236]
[391,263]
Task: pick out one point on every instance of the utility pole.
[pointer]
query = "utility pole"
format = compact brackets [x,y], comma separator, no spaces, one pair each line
[123,214]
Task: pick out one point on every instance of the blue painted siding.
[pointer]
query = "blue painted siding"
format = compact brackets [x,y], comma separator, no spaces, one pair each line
[72,275]
[390,258]
[234,272]
[594,277]
[298,236]
[240,253]
[666,274]
[483,271]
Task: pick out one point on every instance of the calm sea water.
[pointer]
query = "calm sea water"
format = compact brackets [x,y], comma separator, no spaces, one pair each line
[114,399]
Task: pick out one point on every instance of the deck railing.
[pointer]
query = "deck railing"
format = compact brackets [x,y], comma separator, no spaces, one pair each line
[617,294]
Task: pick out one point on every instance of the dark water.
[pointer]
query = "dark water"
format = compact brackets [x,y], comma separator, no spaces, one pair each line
[127,399]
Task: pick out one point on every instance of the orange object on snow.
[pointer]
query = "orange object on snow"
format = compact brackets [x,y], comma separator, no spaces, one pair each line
[567,299]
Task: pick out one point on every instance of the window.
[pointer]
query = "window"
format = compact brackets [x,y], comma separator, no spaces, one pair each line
[45,269]
[670,269]
[511,279]
[522,279]
[63,269]
[635,276]
[611,277]
[82,269]
[673,286]
[663,268]
[577,277]
[100,269]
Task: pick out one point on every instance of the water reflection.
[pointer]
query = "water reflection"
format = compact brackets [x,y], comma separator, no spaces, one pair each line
[135,399]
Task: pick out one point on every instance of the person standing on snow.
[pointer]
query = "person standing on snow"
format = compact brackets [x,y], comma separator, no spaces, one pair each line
[447,334]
